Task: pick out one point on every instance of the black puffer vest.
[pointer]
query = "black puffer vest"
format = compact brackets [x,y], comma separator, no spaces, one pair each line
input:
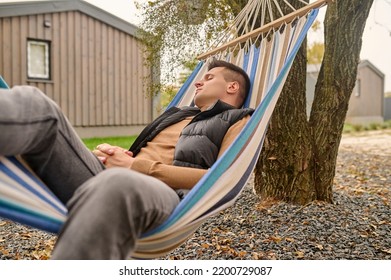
[199,143]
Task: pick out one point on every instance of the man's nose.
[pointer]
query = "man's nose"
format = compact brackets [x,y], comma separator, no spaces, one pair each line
[198,84]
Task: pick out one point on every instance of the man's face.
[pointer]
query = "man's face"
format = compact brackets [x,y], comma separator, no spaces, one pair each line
[210,88]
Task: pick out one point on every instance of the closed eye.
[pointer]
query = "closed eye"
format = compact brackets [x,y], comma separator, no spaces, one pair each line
[208,77]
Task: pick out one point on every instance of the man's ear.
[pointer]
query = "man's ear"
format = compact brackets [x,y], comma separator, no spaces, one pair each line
[233,87]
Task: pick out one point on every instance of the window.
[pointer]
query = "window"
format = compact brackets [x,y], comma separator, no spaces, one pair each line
[38,66]
[357,92]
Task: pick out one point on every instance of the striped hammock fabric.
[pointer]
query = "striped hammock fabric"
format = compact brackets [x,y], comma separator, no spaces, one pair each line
[267,60]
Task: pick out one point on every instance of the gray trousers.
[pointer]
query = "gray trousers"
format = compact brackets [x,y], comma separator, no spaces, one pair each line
[108,208]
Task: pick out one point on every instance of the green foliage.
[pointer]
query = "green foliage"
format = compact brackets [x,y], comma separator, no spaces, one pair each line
[167,94]
[174,32]
[315,53]
[315,50]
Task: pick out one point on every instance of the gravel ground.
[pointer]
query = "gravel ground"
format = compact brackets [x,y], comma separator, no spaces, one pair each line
[357,226]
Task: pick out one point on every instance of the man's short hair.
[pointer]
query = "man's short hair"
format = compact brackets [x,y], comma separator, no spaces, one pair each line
[233,73]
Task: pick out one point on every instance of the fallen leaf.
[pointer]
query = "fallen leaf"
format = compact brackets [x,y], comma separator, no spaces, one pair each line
[242,254]
[300,254]
[25,235]
[276,239]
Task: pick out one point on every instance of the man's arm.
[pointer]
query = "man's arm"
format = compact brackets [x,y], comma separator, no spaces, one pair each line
[177,177]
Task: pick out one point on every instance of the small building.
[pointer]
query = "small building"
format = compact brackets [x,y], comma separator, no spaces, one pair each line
[366,104]
[387,108]
[88,61]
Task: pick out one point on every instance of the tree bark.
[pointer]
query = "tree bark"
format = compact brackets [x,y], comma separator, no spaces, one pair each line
[298,160]
[344,27]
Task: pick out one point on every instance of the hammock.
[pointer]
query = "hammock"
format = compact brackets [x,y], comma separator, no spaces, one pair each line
[267,54]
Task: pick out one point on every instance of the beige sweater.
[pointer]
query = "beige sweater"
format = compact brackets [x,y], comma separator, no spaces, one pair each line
[156,158]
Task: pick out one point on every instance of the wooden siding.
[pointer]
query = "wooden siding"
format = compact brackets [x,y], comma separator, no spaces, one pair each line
[387,108]
[370,101]
[97,71]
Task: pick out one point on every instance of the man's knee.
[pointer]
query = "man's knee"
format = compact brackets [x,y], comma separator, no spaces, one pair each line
[35,99]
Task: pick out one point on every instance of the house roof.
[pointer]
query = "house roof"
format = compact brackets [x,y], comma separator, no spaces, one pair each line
[367,63]
[10,9]
[315,68]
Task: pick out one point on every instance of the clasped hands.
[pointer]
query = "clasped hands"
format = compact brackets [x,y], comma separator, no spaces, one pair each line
[114,156]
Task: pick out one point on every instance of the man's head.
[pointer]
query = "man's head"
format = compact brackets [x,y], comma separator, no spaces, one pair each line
[224,81]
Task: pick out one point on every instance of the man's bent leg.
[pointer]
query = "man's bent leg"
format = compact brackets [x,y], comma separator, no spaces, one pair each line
[33,126]
[110,211]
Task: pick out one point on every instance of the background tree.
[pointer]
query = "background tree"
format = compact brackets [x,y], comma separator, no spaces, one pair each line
[315,50]
[315,53]
[298,160]
[175,33]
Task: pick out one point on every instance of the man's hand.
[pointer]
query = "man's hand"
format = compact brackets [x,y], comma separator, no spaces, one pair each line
[114,156]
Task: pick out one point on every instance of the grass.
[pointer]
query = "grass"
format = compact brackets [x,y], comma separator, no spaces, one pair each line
[349,128]
[121,141]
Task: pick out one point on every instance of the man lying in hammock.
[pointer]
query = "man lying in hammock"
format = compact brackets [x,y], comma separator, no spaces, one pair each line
[116,195]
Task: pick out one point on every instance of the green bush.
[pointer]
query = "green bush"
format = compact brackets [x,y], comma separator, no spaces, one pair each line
[349,128]
[358,127]
[373,126]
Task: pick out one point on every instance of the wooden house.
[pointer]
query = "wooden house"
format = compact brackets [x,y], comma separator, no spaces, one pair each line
[87,60]
[366,104]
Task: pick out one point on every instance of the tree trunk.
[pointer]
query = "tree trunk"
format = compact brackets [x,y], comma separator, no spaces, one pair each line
[344,27]
[299,157]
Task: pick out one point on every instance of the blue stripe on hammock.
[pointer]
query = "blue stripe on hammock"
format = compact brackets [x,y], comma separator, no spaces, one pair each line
[3,84]
[252,73]
[21,215]
[40,183]
[223,163]
[20,181]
